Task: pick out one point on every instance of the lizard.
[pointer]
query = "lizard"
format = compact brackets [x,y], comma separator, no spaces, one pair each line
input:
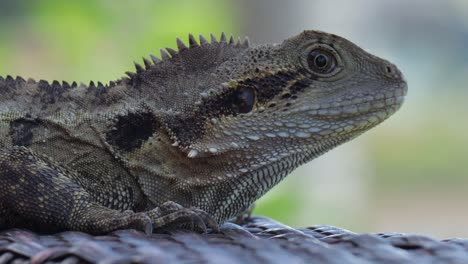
[190,139]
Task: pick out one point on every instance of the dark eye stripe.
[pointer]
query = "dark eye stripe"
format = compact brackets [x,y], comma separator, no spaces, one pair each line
[232,102]
[270,86]
[241,98]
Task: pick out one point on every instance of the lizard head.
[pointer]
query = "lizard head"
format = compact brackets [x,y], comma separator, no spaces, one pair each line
[307,94]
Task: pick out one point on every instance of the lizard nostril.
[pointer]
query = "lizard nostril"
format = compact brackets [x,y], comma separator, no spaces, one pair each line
[392,71]
[389,70]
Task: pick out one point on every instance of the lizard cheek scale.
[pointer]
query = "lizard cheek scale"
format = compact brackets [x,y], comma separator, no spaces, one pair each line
[189,140]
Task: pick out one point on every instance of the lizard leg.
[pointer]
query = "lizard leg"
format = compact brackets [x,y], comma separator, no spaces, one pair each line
[37,193]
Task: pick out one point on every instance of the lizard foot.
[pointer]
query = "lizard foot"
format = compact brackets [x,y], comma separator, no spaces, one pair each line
[173,215]
[114,220]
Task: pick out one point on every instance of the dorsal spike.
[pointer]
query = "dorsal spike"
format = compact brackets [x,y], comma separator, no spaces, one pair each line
[171,51]
[147,63]
[20,79]
[154,58]
[239,42]
[74,84]
[100,85]
[138,67]
[55,85]
[130,74]
[111,84]
[192,42]
[223,38]
[164,55]
[180,44]
[231,40]
[203,40]
[42,84]
[213,39]
[92,85]
[246,42]
[65,85]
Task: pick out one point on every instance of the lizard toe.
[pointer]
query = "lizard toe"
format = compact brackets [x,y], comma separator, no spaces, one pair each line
[207,219]
[140,221]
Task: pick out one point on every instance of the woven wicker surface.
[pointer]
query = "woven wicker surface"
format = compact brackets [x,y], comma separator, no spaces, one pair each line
[261,240]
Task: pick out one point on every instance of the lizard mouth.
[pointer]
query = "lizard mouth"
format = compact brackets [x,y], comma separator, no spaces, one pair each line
[384,106]
[381,104]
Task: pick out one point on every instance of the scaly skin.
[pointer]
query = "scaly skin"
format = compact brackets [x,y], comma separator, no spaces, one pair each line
[189,141]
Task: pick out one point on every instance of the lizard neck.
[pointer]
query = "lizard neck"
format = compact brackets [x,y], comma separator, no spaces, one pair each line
[223,185]
[250,183]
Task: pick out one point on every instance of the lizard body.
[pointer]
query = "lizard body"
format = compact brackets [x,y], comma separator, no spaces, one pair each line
[188,140]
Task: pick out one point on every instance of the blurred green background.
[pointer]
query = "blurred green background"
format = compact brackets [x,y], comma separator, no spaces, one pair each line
[410,174]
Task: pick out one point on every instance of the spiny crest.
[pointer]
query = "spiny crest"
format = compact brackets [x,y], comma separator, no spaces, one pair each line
[169,53]
[54,86]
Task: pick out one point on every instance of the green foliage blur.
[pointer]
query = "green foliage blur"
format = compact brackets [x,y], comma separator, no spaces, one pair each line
[98,40]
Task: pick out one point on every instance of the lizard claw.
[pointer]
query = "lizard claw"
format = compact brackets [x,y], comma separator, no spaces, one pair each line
[207,219]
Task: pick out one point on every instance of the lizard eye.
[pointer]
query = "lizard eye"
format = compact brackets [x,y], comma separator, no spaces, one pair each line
[321,61]
[244,100]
